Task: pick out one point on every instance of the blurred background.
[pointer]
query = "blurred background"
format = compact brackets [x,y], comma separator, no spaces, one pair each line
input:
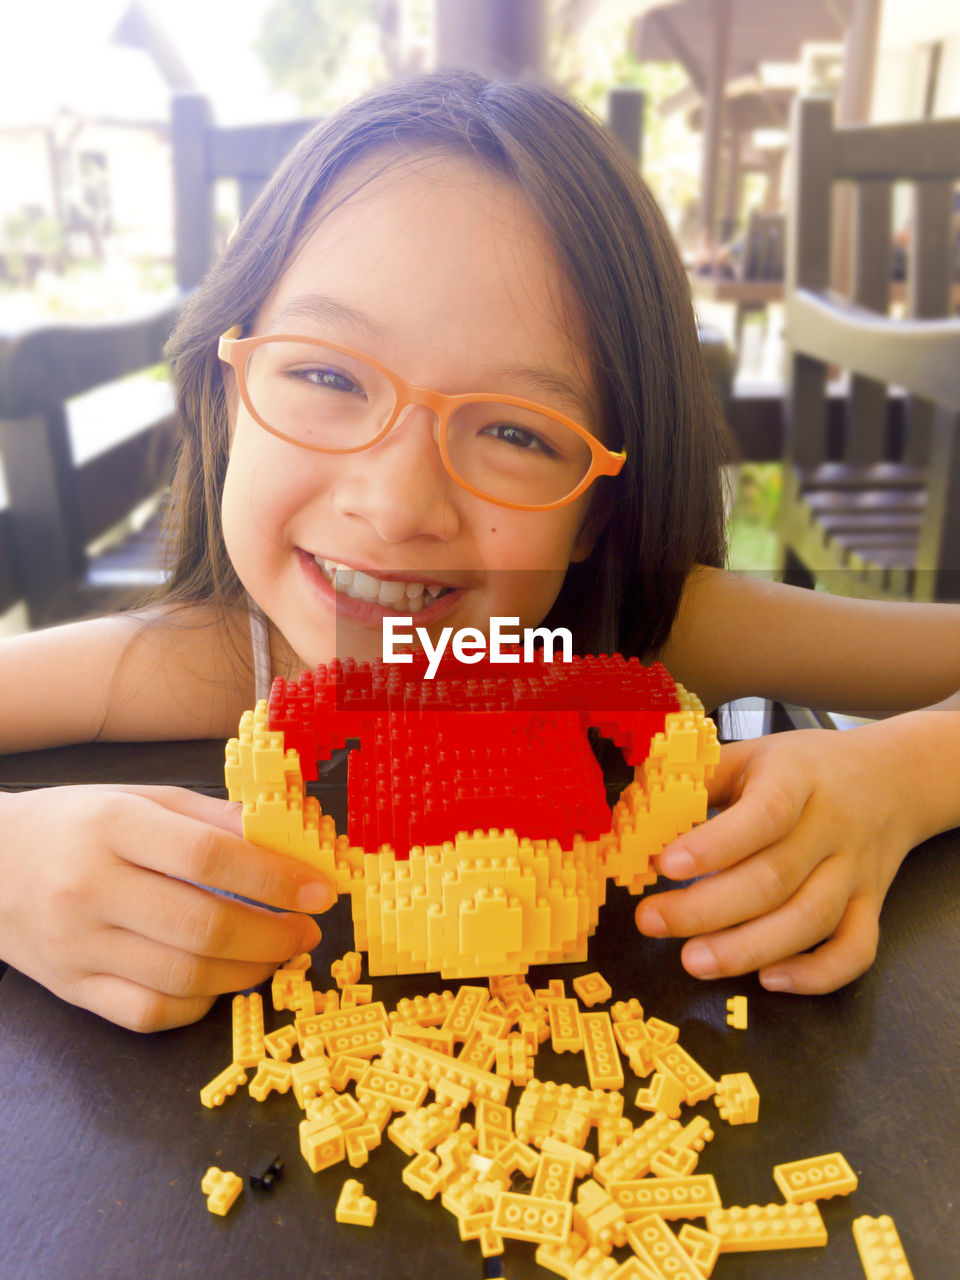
[698,91]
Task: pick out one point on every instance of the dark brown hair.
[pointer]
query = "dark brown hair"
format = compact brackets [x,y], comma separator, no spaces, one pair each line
[664,513]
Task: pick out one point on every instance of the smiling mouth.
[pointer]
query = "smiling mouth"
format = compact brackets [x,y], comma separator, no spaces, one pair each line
[408,597]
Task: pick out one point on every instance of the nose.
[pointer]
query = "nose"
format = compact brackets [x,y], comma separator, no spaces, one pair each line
[400,487]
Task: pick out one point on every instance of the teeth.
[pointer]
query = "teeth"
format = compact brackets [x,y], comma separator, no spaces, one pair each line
[412,596]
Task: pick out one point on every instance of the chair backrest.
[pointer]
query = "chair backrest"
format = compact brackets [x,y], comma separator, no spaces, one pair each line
[763,257]
[203,155]
[918,354]
[56,508]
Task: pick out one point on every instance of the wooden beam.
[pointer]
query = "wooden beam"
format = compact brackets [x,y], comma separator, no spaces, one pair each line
[713,108]
[853,107]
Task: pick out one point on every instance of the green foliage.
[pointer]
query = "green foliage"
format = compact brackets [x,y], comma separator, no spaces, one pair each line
[325,52]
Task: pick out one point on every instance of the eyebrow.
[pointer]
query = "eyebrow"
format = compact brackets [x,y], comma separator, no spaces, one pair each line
[542,380]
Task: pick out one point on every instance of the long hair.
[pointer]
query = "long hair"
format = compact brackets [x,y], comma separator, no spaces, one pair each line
[625,282]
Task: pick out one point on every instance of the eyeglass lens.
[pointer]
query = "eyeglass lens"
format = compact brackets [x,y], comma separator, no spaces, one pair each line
[315,396]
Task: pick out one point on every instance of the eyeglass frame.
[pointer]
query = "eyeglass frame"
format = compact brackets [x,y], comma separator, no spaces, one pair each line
[236,351]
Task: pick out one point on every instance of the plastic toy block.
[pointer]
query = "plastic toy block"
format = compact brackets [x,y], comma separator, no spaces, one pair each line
[540,1221]
[344,1069]
[661,1032]
[280,1043]
[248,1046]
[592,988]
[398,1091]
[512,1060]
[632,1158]
[270,1077]
[604,1069]
[423,1011]
[737,1012]
[339,1109]
[554,990]
[634,1269]
[566,1033]
[301,962]
[221,1189]
[356,994]
[554,1177]
[611,1131]
[626,1010]
[467,1004]
[479,1226]
[737,1099]
[321,1145]
[284,984]
[678,1158]
[594,1264]
[669,1197]
[559,1258]
[675,1061]
[354,1207]
[465,1196]
[881,1252]
[818,1178]
[703,1248]
[426,1064]
[423,1129]
[451,1093]
[582,1161]
[359,1142]
[223,1085]
[494,1128]
[346,971]
[479,1051]
[328,1001]
[665,1094]
[636,1044]
[310,1078]
[659,1249]
[266,1173]
[598,1217]
[515,1157]
[432,885]
[424,1175]
[772,1226]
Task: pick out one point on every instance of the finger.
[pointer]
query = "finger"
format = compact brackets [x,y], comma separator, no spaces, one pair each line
[723,782]
[849,952]
[135,1006]
[170,971]
[768,807]
[753,887]
[193,920]
[226,814]
[178,845]
[811,915]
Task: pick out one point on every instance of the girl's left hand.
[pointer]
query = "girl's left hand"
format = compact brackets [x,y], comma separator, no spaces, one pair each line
[815,824]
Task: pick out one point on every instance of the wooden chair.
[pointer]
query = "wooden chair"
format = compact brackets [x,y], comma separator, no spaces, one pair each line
[876,513]
[56,508]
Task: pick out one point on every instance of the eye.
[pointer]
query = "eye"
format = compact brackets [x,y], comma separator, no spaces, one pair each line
[328,379]
[520,437]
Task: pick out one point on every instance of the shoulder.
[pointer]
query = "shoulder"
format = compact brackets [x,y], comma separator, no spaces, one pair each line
[164,672]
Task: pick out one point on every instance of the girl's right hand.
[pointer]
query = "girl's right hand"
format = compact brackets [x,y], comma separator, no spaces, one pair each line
[96,904]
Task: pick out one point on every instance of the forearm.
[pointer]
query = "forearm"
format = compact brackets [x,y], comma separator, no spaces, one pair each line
[922,751]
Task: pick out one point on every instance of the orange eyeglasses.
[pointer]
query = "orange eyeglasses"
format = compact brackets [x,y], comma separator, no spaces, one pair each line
[334,399]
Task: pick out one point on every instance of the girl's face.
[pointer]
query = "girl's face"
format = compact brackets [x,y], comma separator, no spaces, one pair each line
[444,274]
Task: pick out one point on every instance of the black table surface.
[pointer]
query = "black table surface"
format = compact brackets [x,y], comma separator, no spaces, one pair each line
[106,1141]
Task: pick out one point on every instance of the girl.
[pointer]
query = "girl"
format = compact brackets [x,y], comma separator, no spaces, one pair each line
[473,239]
